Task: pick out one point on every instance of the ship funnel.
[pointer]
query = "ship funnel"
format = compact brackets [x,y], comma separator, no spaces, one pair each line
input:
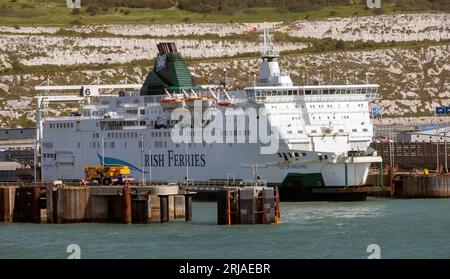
[164,48]
[170,73]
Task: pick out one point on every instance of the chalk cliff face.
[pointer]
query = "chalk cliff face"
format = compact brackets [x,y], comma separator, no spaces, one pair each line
[157,30]
[33,50]
[4,62]
[384,28]
[413,79]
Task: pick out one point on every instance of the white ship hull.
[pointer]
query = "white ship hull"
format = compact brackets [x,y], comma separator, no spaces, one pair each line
[208,162]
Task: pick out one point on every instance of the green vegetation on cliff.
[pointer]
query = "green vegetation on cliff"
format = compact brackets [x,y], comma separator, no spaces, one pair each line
[24,12]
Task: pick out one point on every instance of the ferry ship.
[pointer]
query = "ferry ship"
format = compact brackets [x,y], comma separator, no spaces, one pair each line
[324,130]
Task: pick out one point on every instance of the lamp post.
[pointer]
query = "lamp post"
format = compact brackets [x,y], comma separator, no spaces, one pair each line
[142,159]
[103,150]
[187,154]
[150,162]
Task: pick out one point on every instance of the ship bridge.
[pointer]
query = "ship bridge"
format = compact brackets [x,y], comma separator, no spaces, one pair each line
[313,93]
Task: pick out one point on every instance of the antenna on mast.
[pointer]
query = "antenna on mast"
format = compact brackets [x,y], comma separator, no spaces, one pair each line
[268,49]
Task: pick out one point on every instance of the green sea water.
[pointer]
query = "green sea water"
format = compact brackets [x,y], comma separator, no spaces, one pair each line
[401,228]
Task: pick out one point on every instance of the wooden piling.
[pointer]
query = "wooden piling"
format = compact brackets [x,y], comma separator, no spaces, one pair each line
[7,199]
[263,208]
[391,176]
[223,207]
[51,193]
[188,207]
[36,204]
[164,208]
[126,195]
[277,205]
[228,207]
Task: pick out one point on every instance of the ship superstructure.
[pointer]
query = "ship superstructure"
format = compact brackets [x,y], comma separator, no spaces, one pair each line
[323,131]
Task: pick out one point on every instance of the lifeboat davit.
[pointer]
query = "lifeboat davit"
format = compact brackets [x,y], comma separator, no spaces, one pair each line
[171,103]
[203,101]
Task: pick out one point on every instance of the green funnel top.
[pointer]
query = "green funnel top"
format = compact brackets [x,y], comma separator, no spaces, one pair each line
[170,72]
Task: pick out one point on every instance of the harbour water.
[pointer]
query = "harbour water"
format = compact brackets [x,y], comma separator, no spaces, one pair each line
[401,228]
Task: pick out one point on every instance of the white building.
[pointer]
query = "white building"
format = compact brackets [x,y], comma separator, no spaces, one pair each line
[432,135]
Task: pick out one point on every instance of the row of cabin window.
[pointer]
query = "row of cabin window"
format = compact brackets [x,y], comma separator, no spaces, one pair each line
[96,144]
[49,155]
[222,132]
[122,135]
[157,144]
[321,106]
[315,92]
[117,135]
[330,106]
[161,144]
[340,131]
[291,155]
[328,117]
[61,125]
[135,111]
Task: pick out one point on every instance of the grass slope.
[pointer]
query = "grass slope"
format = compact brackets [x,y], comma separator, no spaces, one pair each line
[21,12]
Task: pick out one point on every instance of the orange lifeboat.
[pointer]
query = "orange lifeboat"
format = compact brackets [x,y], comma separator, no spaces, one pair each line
[205,102]
[171,103]
[224,103]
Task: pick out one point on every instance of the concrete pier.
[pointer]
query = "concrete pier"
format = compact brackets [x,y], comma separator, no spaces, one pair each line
[133,204]
[75,204]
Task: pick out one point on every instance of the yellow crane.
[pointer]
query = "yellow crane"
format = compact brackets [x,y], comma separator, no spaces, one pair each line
[107,175]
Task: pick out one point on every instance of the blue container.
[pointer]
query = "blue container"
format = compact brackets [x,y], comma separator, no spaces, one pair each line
[447,110]
[440,110]
[376,111]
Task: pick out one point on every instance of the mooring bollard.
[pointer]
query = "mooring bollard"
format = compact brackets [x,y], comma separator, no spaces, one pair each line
[164,208]
[126,205]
